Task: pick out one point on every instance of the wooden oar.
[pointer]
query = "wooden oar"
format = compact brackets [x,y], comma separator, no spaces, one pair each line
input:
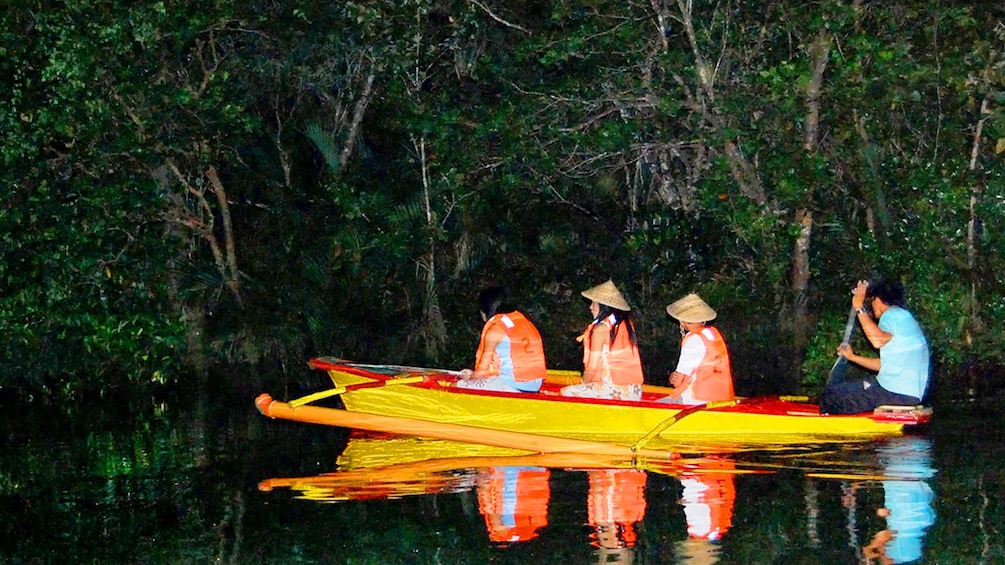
[841,363]
[533,443]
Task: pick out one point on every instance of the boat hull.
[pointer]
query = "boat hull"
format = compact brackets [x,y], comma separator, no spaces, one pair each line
[436,398]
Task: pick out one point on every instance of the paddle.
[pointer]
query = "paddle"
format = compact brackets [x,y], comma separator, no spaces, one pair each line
[841,363]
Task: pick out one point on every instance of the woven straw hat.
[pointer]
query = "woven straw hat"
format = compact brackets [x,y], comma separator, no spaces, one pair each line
[608,295]
[691,308]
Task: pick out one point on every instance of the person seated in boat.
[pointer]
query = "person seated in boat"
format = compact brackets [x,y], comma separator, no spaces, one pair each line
[612,366]
[703,372]
[902,368]
[510,354]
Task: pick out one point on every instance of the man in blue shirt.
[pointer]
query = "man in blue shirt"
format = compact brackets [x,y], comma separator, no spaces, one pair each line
[902,366]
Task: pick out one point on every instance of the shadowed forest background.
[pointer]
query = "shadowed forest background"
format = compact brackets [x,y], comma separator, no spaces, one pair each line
[196,186]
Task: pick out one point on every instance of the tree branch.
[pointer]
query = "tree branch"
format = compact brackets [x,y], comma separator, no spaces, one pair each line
[497,18]
[357,116]
[818,52]
[228,234]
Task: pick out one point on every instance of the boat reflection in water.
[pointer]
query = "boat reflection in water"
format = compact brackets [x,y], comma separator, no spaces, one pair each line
[514,490]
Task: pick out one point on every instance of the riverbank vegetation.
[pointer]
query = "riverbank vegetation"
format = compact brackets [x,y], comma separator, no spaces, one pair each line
[252,183]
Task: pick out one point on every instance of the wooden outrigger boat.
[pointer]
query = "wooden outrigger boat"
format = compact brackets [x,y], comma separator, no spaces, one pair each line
[427,403]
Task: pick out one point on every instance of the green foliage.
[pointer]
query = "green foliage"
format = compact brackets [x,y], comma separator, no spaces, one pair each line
[326,144]
[544,147]
[83,250]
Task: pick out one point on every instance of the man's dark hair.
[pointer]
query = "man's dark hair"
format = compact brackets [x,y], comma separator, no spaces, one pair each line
[491,301]
[890,291]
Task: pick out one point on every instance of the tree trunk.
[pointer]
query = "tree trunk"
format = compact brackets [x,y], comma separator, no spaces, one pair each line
[801,324]
[974,323]
[229,267]
[201,220]
[742,171]
[434,330]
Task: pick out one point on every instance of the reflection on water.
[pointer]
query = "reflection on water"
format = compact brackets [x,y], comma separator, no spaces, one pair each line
[907,508]
[514,502]
[708,499]
[138,493]
[514,490]
[616,502]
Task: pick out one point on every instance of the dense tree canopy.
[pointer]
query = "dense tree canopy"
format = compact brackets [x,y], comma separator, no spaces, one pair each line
[246,182]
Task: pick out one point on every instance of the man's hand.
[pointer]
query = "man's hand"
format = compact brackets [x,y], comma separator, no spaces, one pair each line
[858,294]
[677,379]
[465,374]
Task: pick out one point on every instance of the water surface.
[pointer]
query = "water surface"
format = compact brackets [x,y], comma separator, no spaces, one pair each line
[227,485]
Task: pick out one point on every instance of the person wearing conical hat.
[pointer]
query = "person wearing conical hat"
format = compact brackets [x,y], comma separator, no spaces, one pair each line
[703,373]
[612,366]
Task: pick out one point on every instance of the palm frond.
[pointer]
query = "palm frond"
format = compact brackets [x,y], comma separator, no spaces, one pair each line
[326,143]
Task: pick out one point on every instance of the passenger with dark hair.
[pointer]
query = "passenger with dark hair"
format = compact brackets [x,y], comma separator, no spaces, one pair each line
[612,367]
[902,366]
[510,354]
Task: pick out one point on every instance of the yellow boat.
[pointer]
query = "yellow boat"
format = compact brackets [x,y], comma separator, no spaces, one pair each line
[426,402]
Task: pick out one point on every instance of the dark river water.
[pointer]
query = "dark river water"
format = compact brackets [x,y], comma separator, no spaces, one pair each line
[226,485]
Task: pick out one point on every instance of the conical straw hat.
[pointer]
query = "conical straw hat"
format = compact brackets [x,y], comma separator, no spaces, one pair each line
[607,294]
[691,308]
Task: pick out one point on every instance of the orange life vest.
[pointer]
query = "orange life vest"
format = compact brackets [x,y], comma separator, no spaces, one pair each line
[708,500]
[712,379]
[622,356]
[526,353]
[514,502]
[617,496]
